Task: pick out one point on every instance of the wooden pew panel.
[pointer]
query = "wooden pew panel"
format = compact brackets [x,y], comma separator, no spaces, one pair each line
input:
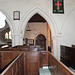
[32,62]
[7,57]
[43,58]
[58,68]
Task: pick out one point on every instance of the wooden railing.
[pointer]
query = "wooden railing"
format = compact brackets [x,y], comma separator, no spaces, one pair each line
[57,67]
[16,67]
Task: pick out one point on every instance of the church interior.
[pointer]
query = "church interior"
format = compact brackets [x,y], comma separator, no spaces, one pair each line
[37,37]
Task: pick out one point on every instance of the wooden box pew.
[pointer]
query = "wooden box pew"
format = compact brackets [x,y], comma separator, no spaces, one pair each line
[14,49]
[16,67]
[68,56]
[58,68]
[30,47]
[7,49]
[73,46]
[33,60]
[36,47]
[21,46]
[27,48]
[6,57]
[19,49]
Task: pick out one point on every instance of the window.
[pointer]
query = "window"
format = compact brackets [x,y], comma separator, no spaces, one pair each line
[8,35]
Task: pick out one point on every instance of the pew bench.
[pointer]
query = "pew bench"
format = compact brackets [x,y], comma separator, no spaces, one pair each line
[43,71]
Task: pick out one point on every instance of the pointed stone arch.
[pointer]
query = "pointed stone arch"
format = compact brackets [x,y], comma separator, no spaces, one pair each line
[47,16]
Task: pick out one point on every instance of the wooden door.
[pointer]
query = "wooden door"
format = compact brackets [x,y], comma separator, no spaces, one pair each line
[32,63]
[41,40]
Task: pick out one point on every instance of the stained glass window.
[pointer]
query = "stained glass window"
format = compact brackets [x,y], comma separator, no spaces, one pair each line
[8,35]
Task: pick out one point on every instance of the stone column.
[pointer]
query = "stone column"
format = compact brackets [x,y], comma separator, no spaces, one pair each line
[21,39]
[17,40]
[56,46]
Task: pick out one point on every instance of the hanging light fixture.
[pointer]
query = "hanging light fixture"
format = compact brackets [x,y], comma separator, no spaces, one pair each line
[28,28]
[2,20]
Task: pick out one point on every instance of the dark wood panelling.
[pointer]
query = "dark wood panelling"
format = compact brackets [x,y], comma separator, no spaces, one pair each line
[58,68]
[41,41]
[73,46]
[16,67]
[7,57]
[68,56]
[43,58]
[32,63]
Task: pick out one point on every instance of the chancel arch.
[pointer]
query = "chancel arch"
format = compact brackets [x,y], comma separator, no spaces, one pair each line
[47,16]
[38,31]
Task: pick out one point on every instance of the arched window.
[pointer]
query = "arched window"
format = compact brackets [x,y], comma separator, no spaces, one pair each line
[8,35]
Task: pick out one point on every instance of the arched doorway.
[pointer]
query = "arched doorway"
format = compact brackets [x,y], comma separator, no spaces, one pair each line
[50,20]
[41,41]
[37,24]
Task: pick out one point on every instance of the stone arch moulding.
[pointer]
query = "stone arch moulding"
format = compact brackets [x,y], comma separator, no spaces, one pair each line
[9,21]
[44,37]
[47,16]
[40,33]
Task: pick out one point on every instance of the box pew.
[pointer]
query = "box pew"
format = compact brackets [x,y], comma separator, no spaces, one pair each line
[23,48]
[32,61]
[6,57]
[16,67]
[58,68]
[28,47]
[68,56]
[14,49]
[73,46]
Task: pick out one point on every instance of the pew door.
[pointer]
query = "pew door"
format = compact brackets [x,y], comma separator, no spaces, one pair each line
[32,63]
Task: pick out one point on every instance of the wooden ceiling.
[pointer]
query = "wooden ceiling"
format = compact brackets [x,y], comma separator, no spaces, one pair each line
[37,18]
